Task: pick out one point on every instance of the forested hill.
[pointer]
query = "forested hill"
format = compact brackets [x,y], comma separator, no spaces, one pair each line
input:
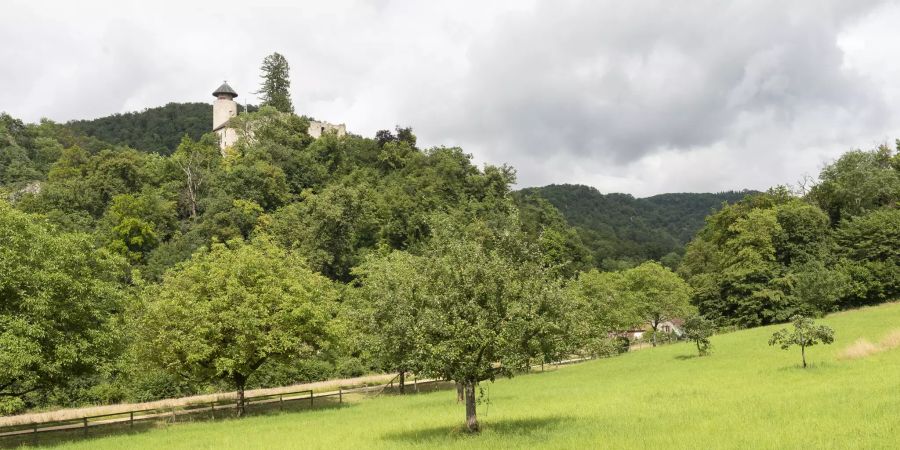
[157,129]
[622,230]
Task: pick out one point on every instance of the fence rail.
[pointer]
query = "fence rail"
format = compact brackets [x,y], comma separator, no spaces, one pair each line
[171,413]
[129,418]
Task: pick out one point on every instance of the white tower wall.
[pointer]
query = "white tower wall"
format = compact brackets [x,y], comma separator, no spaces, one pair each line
[223,110]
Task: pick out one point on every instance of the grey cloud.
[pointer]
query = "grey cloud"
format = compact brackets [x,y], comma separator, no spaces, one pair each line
[635,96]
[617,81]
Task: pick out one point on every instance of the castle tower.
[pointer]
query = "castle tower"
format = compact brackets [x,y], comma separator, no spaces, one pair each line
[224,108]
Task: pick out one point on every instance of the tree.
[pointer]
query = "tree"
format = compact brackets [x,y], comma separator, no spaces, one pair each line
[805,334]
[58,298]
[196,161]
[657,293]
[871,245]
[325,228]
[391,289]
[276,83]
[487,301]
[602,309]
[231,309]
[859,181]
[135,224]
[698,330]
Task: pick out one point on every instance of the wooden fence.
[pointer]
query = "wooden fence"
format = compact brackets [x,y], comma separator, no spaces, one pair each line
[212,410]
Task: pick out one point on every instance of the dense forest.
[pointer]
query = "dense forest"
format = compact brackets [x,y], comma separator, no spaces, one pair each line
[776,254]
[617,230]
[622,231]
[139,273]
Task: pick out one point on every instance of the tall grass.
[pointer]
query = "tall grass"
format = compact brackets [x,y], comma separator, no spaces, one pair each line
[745,395]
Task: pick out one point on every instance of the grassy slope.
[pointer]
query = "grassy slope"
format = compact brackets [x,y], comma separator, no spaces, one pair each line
[746,395]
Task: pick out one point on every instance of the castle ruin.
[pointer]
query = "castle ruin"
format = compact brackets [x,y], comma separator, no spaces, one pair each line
[224,108]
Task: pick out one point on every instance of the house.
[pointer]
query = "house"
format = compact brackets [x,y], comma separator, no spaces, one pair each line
[673,326]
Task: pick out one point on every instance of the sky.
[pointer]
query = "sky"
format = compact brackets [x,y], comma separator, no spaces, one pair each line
[642,97]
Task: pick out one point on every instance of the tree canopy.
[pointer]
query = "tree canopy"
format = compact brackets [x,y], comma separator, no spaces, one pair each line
[231,309]
[274,89]
[59,301]
[778,254]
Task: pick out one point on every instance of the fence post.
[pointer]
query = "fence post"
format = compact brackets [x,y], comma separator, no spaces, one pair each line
[173,414]
[340,395]
[416,382]
[281,401]
[131,419]
[85,425]
[310,397]
[212,409]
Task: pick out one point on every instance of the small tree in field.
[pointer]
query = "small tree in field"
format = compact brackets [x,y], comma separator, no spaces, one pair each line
[805,334]
[698,330]
[484,301]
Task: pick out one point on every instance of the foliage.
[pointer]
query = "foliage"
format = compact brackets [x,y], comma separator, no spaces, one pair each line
[621,231]
[805,334]
[59,297]
[775,255]
[560,244]
[391,309]
[657,294]
[602,308]
[488,304]
[275,87]
[270,306]
[158,130]
[698,330]
[858,182]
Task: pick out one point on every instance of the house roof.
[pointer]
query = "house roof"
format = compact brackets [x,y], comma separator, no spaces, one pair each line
[225,89]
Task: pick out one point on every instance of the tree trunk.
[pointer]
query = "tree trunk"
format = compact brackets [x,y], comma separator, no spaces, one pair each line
[803,354]
[460,392]
[240,381]
[402,381]
[471,417]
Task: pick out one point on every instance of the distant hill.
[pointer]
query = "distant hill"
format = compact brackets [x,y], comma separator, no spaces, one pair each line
[157,129]
[621,230]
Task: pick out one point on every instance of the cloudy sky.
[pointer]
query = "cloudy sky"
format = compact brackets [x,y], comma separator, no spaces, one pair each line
[643,97]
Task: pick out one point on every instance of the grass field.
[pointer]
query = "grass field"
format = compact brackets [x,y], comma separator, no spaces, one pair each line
[745,395]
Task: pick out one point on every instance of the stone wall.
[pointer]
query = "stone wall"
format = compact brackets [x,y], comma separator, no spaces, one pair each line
[317,129]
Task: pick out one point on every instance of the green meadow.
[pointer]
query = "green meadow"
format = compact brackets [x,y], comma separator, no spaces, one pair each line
[745,395]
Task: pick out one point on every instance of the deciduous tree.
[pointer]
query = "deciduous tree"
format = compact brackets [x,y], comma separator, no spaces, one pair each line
[657,293]
[231,309]
[698,330]
[58,296]
[805,334]
[488,299]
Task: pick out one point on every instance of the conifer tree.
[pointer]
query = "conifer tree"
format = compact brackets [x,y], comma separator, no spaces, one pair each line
[274,90]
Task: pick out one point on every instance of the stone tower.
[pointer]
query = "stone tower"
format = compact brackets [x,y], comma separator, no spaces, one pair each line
[224,108]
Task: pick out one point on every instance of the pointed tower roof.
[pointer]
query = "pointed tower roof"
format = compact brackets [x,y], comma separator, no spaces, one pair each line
[224,89]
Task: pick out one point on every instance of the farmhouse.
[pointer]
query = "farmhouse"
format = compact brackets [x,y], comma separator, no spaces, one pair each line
[673,326]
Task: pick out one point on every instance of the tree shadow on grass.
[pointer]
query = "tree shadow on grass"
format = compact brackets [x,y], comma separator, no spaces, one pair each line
[686,357]
[531,427]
